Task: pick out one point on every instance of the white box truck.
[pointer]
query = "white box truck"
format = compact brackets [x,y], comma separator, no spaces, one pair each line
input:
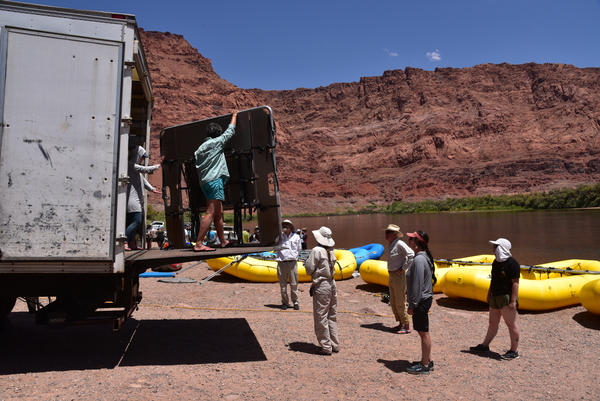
[74,91]
[74,85]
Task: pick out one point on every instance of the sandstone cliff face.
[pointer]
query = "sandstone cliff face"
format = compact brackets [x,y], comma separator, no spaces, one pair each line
[186,89]
[407,135]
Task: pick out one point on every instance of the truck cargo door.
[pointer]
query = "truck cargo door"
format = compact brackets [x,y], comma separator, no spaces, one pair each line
[60,108]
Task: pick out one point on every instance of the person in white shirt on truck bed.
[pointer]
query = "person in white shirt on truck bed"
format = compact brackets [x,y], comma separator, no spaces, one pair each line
[135,196]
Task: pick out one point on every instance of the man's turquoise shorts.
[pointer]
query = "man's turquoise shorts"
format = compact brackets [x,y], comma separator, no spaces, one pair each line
[215,189]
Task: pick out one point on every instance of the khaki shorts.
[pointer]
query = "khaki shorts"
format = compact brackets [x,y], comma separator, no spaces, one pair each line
[501,301]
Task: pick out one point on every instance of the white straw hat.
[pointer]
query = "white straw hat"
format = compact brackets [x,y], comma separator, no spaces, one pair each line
[323,236]
[290,223]
[394,228]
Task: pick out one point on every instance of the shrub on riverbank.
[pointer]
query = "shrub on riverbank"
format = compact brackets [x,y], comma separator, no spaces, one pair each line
[582,196]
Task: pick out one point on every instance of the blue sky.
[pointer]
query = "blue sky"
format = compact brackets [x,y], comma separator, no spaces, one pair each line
[285,44]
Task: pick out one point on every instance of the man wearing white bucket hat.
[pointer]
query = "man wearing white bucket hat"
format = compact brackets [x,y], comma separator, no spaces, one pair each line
[400,257]
[320,264]
[287,263]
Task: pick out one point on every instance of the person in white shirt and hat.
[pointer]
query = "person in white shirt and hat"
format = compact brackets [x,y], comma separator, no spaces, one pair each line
[400,257]
[320,264]
[287,263]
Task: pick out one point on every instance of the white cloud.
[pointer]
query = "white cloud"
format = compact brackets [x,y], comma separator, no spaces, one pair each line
[391,54]
[434,56]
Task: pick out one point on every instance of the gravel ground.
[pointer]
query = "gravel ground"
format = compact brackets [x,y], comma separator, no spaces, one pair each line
[227,339]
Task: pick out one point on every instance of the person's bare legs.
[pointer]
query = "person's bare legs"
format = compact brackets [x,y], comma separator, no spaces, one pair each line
[218,216]
[510,318]
[425,347]
[494,323]
[205,224]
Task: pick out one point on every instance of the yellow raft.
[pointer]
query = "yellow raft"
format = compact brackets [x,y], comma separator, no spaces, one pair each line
[589,295]
[376,272]
[541,287]
[265,271]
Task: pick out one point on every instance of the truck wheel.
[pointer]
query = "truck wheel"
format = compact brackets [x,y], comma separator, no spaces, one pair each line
[6,305]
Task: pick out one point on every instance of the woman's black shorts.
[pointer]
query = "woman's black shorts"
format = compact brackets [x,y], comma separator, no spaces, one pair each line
[421,315]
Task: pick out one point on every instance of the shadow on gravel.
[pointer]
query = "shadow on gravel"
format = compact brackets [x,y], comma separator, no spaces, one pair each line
[225,278]
[307,348]
[275,306]
[25,347]
[373,288]
[588,320]
[395,366]
[463,304]
[489,354]
[376,326]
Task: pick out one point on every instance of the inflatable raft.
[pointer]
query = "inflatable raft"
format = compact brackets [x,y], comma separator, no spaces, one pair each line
[261,270]
[376,272]
[589,295]
[542,287]
[367,252]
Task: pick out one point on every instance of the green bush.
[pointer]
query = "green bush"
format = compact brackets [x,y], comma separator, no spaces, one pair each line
[582,196]
[154,215]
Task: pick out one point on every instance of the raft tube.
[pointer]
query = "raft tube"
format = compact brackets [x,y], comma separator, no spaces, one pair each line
[535,272]
[589,295]
[265,270]
[376,272]
[537,293]
[367,252]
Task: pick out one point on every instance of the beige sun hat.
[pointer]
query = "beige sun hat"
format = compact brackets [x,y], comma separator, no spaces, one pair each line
[323,236]
[394,228]
[290,223]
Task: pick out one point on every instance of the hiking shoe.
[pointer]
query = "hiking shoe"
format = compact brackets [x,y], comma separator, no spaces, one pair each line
[322,351]
[284,306]
[418,369]
[480,348]
[510,355]
[429,365]
[296,306]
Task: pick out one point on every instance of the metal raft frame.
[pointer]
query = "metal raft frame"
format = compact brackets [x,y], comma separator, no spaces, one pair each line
[251,189]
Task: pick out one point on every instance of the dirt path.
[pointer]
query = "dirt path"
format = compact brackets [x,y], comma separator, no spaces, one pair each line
[227,339]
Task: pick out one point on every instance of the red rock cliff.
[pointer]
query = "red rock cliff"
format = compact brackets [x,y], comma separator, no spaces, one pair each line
[407,135]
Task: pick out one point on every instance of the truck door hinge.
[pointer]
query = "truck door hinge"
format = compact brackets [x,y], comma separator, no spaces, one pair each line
[124,180]
[121,239]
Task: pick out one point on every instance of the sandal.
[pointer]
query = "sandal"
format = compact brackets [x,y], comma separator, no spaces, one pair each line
[403,331]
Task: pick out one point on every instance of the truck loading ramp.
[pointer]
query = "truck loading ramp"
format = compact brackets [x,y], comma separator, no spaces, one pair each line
[150,258]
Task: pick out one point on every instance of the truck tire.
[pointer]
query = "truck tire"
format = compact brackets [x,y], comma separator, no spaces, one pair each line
[6,305]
